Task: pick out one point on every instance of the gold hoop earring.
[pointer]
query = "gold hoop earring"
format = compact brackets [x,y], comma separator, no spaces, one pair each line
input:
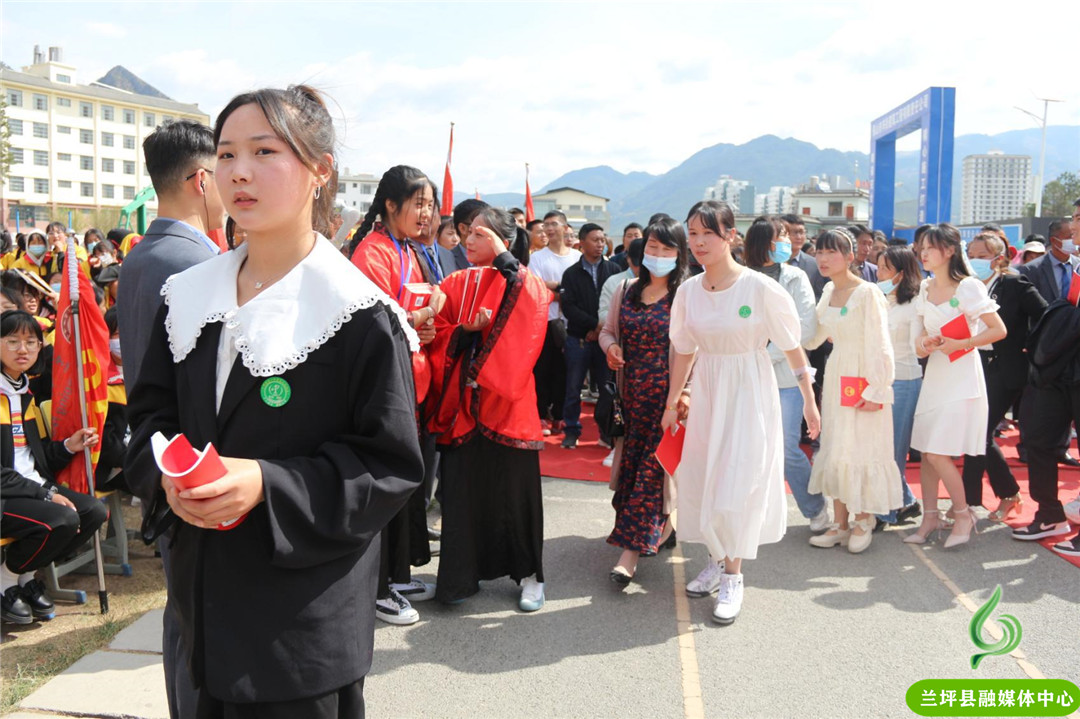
[318,191]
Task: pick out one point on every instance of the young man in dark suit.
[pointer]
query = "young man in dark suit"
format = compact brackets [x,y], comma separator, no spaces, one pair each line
[581,285]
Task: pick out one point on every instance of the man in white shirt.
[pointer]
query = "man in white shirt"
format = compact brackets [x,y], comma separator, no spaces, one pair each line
[549,264]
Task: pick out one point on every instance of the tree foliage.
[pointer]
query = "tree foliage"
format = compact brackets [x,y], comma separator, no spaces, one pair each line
[1060,194]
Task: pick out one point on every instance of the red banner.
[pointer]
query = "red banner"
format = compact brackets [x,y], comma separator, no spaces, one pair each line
[94,335]
[530,213]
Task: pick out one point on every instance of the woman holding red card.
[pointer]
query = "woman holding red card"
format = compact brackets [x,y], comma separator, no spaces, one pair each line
[855,465]
[950,419]
[483,406]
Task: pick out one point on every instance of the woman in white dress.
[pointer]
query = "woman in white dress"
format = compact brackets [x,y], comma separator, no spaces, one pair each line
[855,465]
[951,417]
[731,479]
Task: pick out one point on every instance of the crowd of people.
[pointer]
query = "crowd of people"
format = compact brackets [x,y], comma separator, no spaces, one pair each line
[352,370]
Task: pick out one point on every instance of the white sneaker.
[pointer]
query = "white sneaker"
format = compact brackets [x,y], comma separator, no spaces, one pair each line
[708,581]
[415,591]
[610,459]
[729,600]
[820,521]
[532,594]
[1072,511]
[396,609]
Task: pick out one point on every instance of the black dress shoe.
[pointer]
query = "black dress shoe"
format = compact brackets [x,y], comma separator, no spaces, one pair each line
[668,543]
[13,609]
[911,511]
[620,576]
[1069,461]
[33,593]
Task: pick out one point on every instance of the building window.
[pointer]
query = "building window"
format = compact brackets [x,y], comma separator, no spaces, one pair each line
[16,184]
[148,119]
[365,207]
[63,101]
[63,156]
[129,167]
[86,189]
[15,126]
[341,187]
[64,184]
[354,185]
[86,137]
[41,186]
[129,192]
[86,109]
[41,102]
[41,158]
[129,142]
[108,165]
[107,139]
[836,209]
[63,78]
[63,129]
[41,130]
[367,189]
[86,162]
[575,207]
[16,156]
[108,191]
[14,98]
[129,117]
[107,112]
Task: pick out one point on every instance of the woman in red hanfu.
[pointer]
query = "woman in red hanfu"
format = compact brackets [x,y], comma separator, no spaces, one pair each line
[488,337]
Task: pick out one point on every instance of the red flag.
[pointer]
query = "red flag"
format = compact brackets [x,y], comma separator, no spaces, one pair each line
[448,182]
[530,213]
[66,413]
[477,191]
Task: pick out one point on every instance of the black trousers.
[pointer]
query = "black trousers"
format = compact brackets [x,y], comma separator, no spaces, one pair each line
[344,703]
[46,531]
[1052,409]
[550,373]
[999,397]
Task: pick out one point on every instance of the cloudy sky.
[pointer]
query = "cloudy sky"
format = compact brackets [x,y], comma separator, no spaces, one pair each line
[638,86]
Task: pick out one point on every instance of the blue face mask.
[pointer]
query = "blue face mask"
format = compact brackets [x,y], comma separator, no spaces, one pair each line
[782,253]
[887,286]
[90,247]
[981,268]
[659,266]
[56,287]
[36,250]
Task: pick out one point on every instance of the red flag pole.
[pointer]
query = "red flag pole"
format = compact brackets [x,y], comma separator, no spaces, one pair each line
[448,181]
[73,290]
[530,213]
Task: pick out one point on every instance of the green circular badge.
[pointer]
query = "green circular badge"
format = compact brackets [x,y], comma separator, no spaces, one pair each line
[843,310]
[744,311]
[954,302]
[275,392]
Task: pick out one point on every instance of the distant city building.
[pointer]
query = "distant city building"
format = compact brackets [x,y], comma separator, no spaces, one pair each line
[995,186]
[778,200]
[356,190]
[75,146]
[737,193]
[578,206]
[830,206]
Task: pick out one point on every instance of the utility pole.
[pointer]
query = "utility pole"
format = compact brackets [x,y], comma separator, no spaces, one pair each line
[1042,152]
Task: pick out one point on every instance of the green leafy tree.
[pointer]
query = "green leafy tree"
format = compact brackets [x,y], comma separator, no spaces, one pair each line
[1060,194]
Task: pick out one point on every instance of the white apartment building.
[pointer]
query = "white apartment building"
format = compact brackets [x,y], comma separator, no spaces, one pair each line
[737,193]
[75,146]
[996,186]
[356,190]
[578,206]
[778,200]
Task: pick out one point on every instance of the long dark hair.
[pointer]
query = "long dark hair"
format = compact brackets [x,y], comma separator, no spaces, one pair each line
[299,117]
[759,239]
[716,215]
[398,185]
[902,260]
[944,236]
[669,233]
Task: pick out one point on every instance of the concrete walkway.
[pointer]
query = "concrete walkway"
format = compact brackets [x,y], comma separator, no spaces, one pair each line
[823,633]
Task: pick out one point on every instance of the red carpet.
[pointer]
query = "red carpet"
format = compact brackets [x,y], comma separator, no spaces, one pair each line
[584,463]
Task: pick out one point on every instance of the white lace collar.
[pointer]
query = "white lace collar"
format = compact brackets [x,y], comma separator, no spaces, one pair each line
[276,330]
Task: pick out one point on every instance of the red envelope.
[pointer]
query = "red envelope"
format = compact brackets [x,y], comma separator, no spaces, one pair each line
[669,451]
[187,467]
[477,284]
[957,329]
[851,389]
[416,296]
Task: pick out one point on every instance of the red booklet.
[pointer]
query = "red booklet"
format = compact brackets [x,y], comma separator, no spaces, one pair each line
[416,295]
[669,451]
[477,283]
[851,389]
[187,467]
[957,329]
[1074,290]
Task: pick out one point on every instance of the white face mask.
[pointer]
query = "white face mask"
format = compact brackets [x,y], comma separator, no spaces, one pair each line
[114,346]
[1068,247]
